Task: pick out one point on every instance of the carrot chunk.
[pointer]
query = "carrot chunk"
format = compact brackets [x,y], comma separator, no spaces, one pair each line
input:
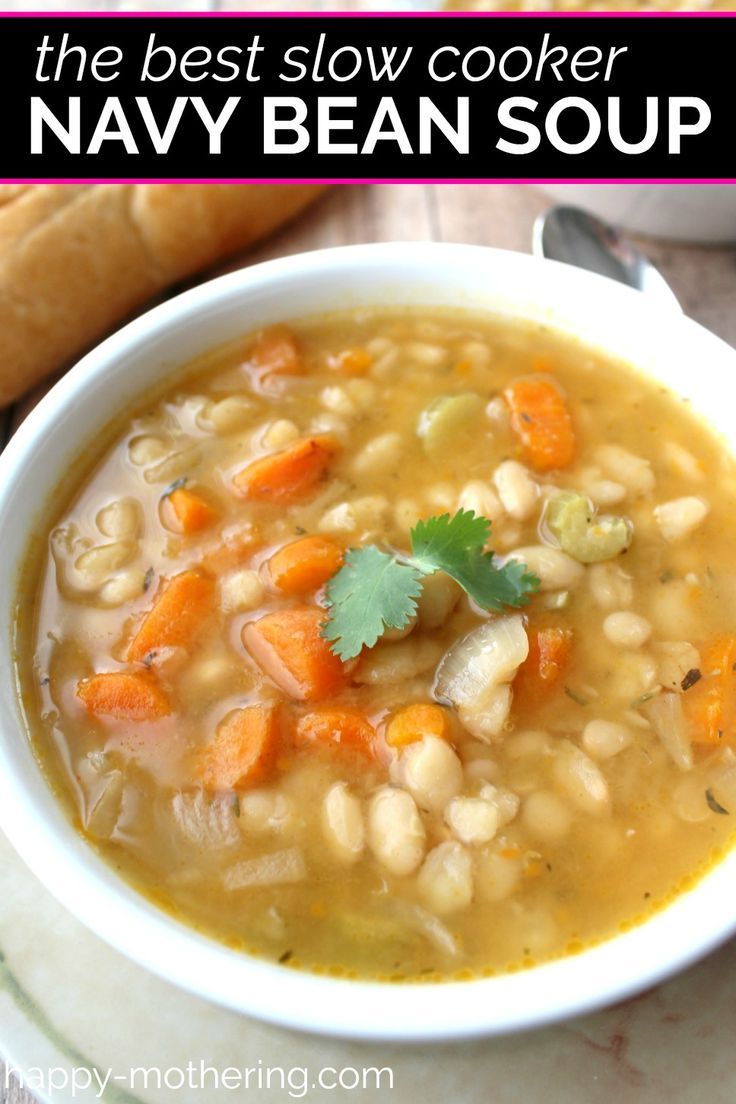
[177,616]
[191,511]
[304,565]
[345,727]
[710,703]
[124,695]
[541,420]
[415,721]
[244,748]
[276,353]
[287,646]
[549,656]
[288,475]
[351,362]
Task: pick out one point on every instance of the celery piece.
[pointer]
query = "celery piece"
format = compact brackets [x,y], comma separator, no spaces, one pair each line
[586,537]
[445,416]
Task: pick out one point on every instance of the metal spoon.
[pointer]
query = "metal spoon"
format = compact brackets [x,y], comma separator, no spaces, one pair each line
[571,235]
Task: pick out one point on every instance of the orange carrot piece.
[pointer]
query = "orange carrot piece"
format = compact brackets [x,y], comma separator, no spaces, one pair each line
[710,703]
[541,420]
[191,511]
[414,721]
[345,727]
[124,695]
[351,362]
[287,646]
[288,475]
[177,616]
[234,548]
[549,656]
[276,353]
[244,749]
[304,565]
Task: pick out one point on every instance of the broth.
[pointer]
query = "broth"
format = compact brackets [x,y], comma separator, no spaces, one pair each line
[291,806]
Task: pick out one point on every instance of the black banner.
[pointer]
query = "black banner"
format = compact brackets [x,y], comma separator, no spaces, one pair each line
[368,98]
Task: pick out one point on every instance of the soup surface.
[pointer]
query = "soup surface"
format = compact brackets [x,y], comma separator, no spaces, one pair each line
[473,791]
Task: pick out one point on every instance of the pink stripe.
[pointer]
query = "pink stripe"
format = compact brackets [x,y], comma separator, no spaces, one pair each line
[369,180]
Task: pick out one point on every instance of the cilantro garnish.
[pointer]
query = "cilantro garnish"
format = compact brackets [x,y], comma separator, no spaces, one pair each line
[376,590]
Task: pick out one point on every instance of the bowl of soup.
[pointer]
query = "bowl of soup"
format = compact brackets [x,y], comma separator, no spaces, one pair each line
[368,641]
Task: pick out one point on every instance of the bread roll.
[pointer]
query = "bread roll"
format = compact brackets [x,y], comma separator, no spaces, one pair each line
[76,259]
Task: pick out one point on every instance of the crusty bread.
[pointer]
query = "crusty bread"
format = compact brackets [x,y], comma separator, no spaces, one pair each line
[76,259]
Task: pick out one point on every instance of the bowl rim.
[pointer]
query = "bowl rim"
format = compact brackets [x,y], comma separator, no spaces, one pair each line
[415,1012]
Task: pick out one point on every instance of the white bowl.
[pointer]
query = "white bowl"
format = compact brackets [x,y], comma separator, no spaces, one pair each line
[666,345]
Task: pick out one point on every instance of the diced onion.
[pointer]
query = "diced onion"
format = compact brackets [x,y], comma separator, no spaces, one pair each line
[487,657]
[667,718]
[206,822]
[278,868]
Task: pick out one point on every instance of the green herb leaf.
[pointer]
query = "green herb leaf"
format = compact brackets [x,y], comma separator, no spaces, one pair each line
[371,592]
[457,547]
[376,590]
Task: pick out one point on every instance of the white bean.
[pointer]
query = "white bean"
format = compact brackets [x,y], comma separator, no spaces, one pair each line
[498,875]
[610,586]
[208,674]
[265,811]
[241,590]
[554,568]
[605,492]
[147,449]
[625,467]
[626,629]
[229,415]
[497,412]
[280,434]
[123,587]
[674,659]
[362,392]
[546,816]
[337,400]
[475,351]
[120,519]
[446,878]
[378,455]
[338,519]
[342,823]
[487,722]
[332,424]
[440,594]
[680,517]
[431,770]
[481,499]
[517,490]
[581,780]
[634,674]
[604,739]
[395,831]
[472,819]
[390,663]
[504,801]
[432,356]
[96,565]
[682,462]
[174,466]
